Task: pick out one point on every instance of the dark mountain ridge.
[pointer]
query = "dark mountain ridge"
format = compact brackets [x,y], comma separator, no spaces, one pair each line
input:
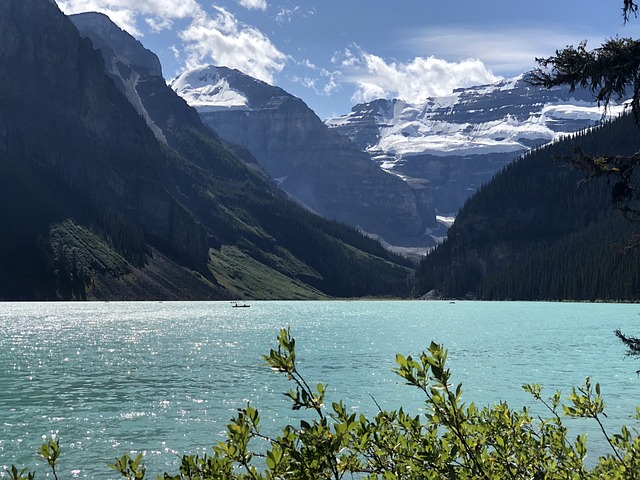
[95,206]
[127,63]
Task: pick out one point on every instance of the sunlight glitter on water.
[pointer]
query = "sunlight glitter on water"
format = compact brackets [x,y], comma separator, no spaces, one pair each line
[112,378]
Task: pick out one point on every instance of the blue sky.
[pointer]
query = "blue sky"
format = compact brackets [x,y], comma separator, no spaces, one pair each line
[336,53]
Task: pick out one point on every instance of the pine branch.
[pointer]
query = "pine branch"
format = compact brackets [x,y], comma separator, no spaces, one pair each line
[632,343]
[630,8]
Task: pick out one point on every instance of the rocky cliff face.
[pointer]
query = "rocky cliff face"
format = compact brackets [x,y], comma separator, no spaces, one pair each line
[458,142]
[126,60]
[319,168]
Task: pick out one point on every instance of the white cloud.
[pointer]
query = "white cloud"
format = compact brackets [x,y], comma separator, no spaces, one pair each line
[331,81]
[175,52]
[412,81]
[157,25]
[320,81]
[287,15]
[308,64]
[222,40]
[253,4]
[346,58]
[215,37]
[125,18]
[156,13]
[306,82]
[510,51]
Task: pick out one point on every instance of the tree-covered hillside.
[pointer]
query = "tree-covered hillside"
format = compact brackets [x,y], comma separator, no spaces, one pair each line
[94,206]
[537,232]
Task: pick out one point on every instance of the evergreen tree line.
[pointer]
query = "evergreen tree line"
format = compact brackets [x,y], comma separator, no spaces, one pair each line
[537,231]
[324,245]
[348,264]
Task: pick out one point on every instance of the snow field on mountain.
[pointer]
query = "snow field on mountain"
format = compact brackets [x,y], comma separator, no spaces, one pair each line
[204,89]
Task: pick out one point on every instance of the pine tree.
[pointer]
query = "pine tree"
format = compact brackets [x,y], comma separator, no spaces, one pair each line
[612,73]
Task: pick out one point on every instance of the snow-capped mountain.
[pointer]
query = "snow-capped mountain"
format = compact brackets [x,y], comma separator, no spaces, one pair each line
[457,142]
[443,149]
[205,89]
[318,167]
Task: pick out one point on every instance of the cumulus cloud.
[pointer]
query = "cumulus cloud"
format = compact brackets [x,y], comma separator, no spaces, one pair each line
[157,13]
[222,40]
[157,25]
[253,4]
[412,81]
[453,63]
[210,37]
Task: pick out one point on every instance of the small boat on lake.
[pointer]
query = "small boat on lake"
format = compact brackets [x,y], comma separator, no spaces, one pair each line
[237,305]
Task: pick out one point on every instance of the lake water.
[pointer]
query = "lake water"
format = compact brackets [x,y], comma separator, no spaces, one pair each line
[165,378]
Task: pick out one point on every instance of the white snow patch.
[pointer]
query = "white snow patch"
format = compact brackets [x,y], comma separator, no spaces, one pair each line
[407,129]
[581,110]
[446,221]
[204,89]
[280,180]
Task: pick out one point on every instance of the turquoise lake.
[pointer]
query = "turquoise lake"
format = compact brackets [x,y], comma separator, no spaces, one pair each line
[165,378]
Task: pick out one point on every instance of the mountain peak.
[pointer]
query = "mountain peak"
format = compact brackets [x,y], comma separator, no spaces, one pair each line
[207,89]
[94,206]
[212,88]
[457,142]
[320,169]
[106,35]
[127,61]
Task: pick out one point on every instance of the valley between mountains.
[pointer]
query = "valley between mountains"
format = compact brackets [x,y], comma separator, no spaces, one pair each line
[118,183]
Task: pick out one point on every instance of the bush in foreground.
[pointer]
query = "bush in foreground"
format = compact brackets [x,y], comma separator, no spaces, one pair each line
[452,440]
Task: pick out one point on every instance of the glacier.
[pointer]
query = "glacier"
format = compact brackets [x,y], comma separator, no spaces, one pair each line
[453,144]
[506,117]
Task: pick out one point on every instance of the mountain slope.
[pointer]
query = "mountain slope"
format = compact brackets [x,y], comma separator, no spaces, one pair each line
[535,232]
[456,143]
[319,168]
[94,204]
[126,60]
